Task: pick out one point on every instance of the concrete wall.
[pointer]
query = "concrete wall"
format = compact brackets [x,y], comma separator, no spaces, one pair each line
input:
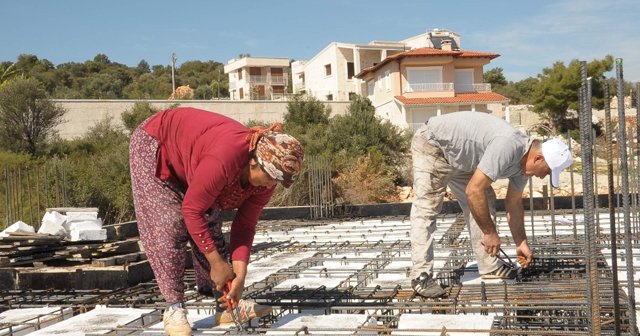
[83,114]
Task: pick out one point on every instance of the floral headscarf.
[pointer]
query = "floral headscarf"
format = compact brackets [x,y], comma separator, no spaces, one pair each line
[278,153]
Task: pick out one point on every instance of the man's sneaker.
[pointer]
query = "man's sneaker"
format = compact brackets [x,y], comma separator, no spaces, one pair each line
[175,322]
[246,311]
[425,286]
[504,271]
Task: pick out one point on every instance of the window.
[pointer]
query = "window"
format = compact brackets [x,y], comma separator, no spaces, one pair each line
[370,87]
[350,70]
[239,74]
[327,70]
[352,96]
[253,71]
[464,80]
[278,89]
[423,79]
[387,80]
[329,97]
[241,93]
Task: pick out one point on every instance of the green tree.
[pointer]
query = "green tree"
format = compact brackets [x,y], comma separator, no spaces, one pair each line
[360,131]
[495,77]
[99,175]
[307,119]
[137,114]
[557,90]
[7,71]
[27,117]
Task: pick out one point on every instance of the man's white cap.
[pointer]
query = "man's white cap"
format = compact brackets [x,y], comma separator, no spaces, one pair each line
[558,157]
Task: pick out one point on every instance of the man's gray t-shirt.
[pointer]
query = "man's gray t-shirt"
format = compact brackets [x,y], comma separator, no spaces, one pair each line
[471,140]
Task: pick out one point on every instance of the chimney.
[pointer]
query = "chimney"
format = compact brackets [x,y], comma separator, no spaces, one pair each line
[445,45]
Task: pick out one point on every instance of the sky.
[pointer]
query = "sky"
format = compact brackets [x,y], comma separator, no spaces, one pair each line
[528,35]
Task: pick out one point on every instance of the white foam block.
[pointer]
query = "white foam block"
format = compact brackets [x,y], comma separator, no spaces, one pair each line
[437,322]
[80,235]
[315,324]
[96,321]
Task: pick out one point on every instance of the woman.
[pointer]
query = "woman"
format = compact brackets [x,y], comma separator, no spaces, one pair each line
[186,166]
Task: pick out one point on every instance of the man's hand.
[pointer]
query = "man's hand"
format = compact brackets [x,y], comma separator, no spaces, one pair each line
[525,256]
[491,243]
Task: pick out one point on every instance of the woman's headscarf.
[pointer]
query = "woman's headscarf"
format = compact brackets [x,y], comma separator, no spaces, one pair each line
[278,153]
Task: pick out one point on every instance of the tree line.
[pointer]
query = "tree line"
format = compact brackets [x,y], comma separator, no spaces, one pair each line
[102,78]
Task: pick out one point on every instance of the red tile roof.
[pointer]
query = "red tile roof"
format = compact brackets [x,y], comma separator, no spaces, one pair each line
[467,97]
[425,52]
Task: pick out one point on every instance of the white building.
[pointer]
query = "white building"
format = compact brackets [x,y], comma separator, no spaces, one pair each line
[410,87]
[257,78]
[330,74]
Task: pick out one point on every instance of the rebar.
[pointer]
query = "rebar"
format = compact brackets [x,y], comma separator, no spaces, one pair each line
[573,193]
[624,173]
[612,210]
[593,300]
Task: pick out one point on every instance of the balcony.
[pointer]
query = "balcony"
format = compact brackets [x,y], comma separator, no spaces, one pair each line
[429,87]
[440,87]
[278,80]
[257,79]
[478,87]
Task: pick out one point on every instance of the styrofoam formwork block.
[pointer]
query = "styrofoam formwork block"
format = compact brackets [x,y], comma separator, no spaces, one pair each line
[91,234]
[437,322]
[96,321]
[323,324]
[260,269]
[24,321]
[199,320]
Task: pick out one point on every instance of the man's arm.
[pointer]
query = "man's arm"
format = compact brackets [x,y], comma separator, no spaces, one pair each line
[515,214]
[515,217]
[479,207]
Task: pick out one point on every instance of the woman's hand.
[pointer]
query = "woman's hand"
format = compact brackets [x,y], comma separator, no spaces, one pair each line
[221,271]
[230,301]
[234,295]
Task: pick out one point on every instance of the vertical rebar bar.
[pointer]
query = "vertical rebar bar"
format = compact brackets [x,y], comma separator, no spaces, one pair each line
[46,186]
[632,184]
[311,180]
[573,194]
[19,194]
[612,210]
[6,195]
[595,182]
[32,223]
[37,170]
[64,182]
[552,209]
[593,300]
[624,171]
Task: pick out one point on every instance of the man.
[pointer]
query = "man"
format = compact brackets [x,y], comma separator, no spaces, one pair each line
[468,151]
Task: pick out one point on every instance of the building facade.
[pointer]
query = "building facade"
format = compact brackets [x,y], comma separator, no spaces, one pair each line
[330,74]
[258,78]
[410,87]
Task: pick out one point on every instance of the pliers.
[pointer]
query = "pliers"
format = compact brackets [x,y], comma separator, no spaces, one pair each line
[234,303]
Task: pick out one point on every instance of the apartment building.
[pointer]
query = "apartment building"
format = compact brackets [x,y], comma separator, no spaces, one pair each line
[408,88]
[330,74]
[258,78]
